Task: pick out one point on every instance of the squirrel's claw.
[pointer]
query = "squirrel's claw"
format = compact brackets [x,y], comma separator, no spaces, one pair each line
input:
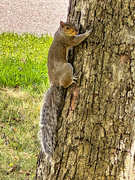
[74,79]
[87,33]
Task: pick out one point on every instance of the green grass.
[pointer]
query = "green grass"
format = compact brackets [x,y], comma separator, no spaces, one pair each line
[19,119]
[23,80]
[23,61]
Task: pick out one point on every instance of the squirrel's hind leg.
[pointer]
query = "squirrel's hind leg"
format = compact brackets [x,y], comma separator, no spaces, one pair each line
[67,77]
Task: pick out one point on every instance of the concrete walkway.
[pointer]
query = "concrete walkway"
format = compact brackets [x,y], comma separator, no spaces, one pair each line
[32,16]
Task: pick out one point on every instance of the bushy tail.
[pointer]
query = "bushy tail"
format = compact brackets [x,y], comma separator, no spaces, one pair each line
[48,119]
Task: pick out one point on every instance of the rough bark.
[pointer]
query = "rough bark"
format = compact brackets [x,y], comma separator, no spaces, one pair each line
[95,138]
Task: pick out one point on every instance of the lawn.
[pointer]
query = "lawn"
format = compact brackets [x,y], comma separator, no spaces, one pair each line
[23,80]
[23,61]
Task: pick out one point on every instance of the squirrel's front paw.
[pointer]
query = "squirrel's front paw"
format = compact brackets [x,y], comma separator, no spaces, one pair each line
[87,33]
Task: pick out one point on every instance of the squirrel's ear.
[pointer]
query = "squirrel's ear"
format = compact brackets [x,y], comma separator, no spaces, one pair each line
[61,23]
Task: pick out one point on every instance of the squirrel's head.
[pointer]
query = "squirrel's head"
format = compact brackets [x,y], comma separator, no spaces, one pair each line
[68,29]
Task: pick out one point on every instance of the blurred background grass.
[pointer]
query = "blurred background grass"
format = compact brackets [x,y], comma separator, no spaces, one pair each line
[23,61]
[23,80]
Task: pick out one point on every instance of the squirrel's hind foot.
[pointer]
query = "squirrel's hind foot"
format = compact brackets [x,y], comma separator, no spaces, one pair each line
[74,79]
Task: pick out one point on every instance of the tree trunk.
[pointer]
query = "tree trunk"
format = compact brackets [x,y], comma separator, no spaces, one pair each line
[95,137]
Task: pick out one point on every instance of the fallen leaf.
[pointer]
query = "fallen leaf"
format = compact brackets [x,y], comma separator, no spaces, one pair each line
[21,171]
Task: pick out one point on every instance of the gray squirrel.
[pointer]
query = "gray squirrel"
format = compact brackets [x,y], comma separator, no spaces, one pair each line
[60,75]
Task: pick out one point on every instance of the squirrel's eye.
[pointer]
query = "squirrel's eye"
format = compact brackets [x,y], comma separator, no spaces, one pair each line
[67,27]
